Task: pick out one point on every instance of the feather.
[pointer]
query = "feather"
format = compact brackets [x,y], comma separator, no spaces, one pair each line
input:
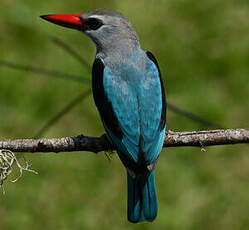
[131,101]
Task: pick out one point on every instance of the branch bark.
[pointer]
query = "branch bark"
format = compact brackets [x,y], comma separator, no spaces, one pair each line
[97,144]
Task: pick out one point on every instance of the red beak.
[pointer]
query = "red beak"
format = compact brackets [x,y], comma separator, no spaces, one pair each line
[67,20]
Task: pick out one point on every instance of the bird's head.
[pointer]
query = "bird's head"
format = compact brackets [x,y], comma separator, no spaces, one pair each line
[107,28]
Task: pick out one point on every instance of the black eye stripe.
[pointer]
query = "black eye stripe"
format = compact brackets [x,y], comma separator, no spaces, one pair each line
[92,24]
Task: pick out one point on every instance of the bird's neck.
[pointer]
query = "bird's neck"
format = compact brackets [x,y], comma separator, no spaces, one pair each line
[119,49]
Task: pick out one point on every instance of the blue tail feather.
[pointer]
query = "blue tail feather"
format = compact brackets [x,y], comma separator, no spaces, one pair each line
[142,200]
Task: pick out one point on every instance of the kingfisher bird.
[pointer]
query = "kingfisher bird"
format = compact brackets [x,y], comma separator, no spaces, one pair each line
[129,94]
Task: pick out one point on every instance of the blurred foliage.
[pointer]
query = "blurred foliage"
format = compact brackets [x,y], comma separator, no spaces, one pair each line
[203,51]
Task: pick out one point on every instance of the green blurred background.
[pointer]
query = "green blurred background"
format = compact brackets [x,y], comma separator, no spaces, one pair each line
[203,51]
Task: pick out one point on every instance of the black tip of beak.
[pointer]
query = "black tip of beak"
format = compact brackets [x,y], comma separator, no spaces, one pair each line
[43,16]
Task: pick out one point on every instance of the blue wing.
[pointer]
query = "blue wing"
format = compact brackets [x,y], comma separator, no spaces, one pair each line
[132,106]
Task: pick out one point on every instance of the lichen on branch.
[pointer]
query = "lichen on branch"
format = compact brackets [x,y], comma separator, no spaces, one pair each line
[8,161]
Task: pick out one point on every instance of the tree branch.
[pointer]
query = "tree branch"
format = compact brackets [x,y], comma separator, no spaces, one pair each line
[97,144]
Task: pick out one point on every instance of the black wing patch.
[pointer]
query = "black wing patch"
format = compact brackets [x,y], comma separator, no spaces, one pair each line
[163,115]
[104,106]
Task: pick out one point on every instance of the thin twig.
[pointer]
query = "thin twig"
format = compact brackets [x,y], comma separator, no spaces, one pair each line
[43,71]
[193,117]
[62,112]
[70,51]
[56,74]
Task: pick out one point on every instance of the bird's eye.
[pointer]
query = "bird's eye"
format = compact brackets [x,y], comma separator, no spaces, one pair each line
[92,24]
